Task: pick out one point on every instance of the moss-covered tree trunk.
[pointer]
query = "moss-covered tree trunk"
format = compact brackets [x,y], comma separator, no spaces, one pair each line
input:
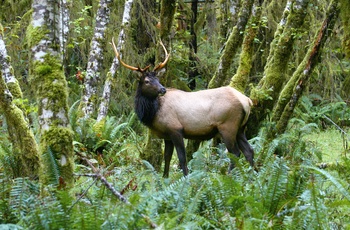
[269,87]
[241,78]
[232,45]
[345,19]
[296,85]
[153,149]
[193,71]
[167,11]
[93,70]
[47,78]
[7,70]
[24,146]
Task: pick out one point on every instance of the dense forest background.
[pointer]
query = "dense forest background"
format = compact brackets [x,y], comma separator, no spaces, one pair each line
[73,154]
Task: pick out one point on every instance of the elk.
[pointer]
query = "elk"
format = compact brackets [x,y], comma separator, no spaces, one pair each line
[174,114]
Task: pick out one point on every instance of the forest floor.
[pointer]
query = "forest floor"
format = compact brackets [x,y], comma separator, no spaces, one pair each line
[330,143]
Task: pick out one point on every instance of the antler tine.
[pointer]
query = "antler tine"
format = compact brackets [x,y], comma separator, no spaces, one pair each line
[162,64]
[124,64]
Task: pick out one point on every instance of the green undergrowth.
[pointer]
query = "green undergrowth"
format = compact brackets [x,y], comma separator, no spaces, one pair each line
[330,143]
[288,189]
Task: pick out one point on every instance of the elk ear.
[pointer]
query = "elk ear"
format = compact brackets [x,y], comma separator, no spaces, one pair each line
[137,74]
[161,73]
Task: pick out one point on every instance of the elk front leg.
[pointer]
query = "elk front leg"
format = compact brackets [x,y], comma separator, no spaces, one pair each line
[178,141]
[168,153]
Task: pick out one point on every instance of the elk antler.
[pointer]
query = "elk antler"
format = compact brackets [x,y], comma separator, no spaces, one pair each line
[124,64]
[162,64]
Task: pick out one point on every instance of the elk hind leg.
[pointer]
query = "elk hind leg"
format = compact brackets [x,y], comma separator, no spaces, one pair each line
[245,147]
[229,138]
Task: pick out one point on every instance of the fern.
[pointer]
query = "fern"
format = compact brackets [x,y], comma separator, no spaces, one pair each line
[53,172]
[332,179]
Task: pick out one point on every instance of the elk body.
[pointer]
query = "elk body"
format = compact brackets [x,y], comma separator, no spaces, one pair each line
[174,115]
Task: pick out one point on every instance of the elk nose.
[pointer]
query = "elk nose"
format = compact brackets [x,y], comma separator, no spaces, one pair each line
[162,91]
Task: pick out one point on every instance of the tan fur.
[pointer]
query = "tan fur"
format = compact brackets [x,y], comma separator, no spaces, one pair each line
[199,114]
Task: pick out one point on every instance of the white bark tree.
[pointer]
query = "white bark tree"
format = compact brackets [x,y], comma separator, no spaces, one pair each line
[7,71]
[47,77]
[93,70]
[24,146]
[106,95]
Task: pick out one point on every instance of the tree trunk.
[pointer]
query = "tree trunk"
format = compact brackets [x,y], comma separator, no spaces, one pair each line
[7,70]
[22,138]
[241,79]
[193,72]
[345,18]
[93,70]
[227,16]
[106,95]
[47,76]
[269,87]
[167,11]
[295,86]
[24,146]
[232,45]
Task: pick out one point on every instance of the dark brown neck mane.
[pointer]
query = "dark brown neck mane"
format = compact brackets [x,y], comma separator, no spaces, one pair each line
[146,108]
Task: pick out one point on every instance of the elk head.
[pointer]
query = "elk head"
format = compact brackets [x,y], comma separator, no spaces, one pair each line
[149,84]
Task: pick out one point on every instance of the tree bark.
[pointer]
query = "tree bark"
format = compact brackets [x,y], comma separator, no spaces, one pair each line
[106,95]
[241,79]
[7,70]
[167,11]
[296,85]
[232,45]
[47,76]
[93,70]
[193,72]
[345,18]
[269,87]
[228,15]
[22,138]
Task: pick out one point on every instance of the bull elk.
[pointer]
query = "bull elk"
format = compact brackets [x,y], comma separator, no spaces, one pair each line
[174,114]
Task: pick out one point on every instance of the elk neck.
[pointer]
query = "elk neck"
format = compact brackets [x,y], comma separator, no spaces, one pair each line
[146,108]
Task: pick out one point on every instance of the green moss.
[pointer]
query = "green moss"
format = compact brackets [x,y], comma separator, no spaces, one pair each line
[35,34]
[43,70]
[50,82]
[60,142]
[22,138]
[15,89]
[51,88]
[345,18]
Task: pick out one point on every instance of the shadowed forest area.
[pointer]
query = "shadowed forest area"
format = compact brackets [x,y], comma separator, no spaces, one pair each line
[74,155]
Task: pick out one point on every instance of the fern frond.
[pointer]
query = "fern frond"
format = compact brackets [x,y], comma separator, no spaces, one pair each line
[52,174]
[276,185]
[332,179]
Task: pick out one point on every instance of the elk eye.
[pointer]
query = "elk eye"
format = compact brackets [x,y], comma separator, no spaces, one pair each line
[146,81]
